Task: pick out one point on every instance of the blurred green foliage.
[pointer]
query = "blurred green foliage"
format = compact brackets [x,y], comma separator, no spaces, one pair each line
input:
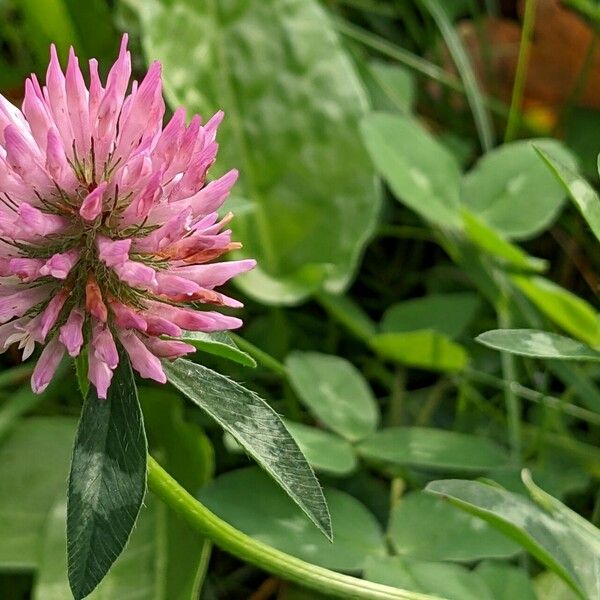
[387,241]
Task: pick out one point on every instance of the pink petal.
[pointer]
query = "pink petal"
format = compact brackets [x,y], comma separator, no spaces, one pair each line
[215,274]
[26,269]
[142,360]
[127,318]
[113,252]
[51,312]
[46,365]
[170,349]
[71,333]
[137,274]
[100,374]
[210,197]
[17,304]
[60,265]
[159,326]
[103,345]
[77,103]
[91,207]
[56,96]
[37,222]
[170,284]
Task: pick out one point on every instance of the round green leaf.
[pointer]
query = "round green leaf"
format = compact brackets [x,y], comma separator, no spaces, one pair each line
[428,528]
[335,392]
[323,450]
[251,502]
[420,171]
[445,313]
[513,191]
[506,581]
[448,581]
[437,449]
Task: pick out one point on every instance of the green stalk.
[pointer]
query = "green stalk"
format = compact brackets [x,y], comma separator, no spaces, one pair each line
[260,555]
[260,356]
[513,405]
[514,114]
[483,122]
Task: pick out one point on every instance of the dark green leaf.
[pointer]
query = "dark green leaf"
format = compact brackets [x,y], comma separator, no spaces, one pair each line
[107,483]
[219,344]
[539,344]
[302,164]
[437,449]
[260,431]
[266,514]
[335,391]
[164,559]
[81,370]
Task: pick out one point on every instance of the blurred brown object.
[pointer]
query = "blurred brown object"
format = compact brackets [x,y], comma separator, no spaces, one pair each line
[561,42]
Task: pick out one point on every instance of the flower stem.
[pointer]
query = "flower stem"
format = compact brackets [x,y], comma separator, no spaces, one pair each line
[261,555]
[514,115]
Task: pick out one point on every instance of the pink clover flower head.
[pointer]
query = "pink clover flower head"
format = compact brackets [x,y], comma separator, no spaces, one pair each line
[109,232]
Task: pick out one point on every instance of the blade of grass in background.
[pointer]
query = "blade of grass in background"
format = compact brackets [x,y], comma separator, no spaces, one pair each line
[483,122]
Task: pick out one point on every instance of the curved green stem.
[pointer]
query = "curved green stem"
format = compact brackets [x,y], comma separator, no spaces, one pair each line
[265,557]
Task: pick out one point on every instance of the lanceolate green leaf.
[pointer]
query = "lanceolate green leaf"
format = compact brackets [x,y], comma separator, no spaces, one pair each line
[549,534]
[567,310]
[581,192]
[107,483]
[539,344]
[295,142]
[219,344]
[258,429]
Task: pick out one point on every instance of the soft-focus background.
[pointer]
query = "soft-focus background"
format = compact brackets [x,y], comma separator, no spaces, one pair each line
[395,212]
